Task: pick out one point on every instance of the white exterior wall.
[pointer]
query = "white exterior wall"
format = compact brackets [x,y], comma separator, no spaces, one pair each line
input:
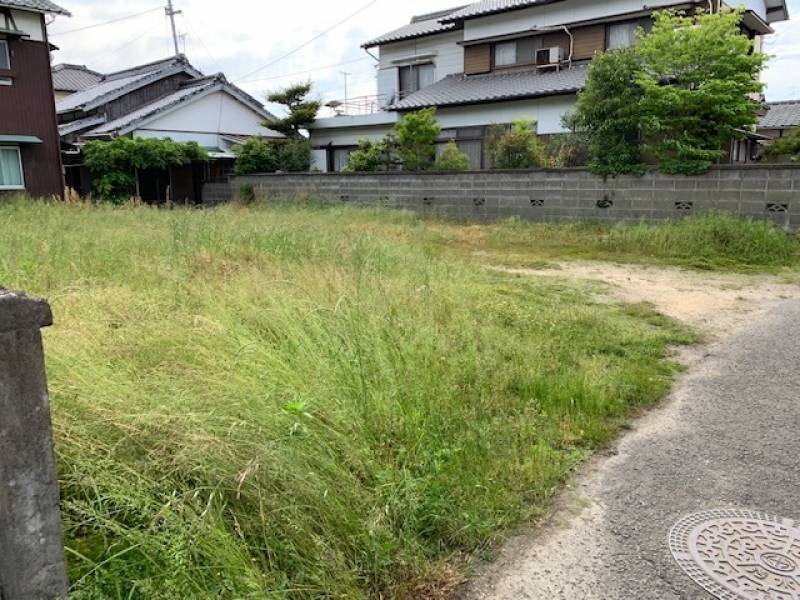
[547,112]
[448,58]
[30,23]
[550,15]
[218,112]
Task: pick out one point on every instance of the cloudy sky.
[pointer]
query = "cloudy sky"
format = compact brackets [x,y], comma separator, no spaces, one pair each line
[264,45]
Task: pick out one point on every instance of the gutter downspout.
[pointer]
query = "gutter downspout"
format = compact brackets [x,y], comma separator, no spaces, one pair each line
[375,58]
[572,44]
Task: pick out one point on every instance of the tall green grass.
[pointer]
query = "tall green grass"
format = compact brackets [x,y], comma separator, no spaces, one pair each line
[707,241]
[304,403]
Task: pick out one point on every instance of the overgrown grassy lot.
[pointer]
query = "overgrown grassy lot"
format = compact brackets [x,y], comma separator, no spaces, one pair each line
[322,403]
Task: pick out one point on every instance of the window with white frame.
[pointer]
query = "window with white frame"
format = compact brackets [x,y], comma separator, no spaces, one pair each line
[11,169]
[505,54]
[416,77]
[5,55]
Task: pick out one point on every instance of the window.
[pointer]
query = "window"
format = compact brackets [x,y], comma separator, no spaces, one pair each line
[5,55]
[416,77]
[11,169]
[623,35]
[340,158]
[505,54]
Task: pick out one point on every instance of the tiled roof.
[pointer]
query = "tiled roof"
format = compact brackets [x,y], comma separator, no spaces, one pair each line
[117,84]
[490,7]
[80,125]
[494,87]
[74,78]
[781,115]
[44,6]
[188,92]
[420,26]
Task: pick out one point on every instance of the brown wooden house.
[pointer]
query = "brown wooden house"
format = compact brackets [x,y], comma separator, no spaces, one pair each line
[30,157]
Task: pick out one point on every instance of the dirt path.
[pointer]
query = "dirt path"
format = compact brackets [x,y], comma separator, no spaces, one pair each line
[722,439]
[715,303]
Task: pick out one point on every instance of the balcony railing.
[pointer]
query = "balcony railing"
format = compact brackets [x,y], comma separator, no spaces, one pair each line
[360,105]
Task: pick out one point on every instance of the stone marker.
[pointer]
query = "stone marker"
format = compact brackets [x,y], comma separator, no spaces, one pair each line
[32,565]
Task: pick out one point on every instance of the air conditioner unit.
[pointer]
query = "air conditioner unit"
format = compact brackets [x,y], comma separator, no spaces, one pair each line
[548,56]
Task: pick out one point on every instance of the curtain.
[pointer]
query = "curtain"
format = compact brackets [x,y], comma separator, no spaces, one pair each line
[10,168]
[505,54]
[622,35]
[427,76]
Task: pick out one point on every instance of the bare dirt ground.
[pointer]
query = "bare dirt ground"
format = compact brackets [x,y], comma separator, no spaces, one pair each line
[714,303]
[599,541]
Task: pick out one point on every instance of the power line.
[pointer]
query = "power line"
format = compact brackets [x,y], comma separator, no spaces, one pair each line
[323,68]
[309,42]
[111,22]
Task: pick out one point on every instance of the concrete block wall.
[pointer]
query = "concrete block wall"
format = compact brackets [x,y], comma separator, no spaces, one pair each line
[765,192]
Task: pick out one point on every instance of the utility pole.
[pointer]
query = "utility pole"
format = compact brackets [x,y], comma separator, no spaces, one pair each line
[171,12]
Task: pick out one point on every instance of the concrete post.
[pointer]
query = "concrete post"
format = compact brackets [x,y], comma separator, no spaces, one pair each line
[32,565]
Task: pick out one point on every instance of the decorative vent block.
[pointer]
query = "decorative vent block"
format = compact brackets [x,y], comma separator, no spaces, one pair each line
[606,202]
[427,200]
[684,206]
[774,207]
[345,198]
[479,201]
[537,201]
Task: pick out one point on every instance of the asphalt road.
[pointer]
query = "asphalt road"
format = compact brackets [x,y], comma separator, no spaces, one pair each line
[729,437]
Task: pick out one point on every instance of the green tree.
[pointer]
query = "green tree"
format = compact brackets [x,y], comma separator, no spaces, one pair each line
[371,156]
[301,112]
[609,112]
[114,165]
[517,147]
[785,149]
[452,159]
[414,139]
[260,155]
[697,76]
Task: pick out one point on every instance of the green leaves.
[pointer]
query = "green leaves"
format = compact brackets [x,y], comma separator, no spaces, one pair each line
[785,149]
[681,95]
[113,164]
[260,155]
[452,159]
[415,136]
[301,111]
[516,148]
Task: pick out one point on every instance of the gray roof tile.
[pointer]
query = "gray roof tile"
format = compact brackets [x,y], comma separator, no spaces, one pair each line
[494,87]
[117,84]
[74,78]
[490,7]
[36,5]
[781,115]
[189,91]
[420,26]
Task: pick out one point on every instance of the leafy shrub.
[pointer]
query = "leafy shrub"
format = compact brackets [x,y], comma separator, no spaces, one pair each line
[785,149]
[517,147]
[570,149]
[414,137]
[247,193]
[452,159]
[609,111]
[260,155]
[114,164]
[370,156]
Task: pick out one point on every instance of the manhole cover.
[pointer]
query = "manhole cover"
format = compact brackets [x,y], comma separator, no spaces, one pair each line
[739,554]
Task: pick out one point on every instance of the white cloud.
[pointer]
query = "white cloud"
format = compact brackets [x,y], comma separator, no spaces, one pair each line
[239,36]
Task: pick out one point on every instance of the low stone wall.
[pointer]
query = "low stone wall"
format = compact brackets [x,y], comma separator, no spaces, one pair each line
[771,193]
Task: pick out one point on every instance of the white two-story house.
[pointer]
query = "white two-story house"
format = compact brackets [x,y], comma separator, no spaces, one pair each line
[497,61]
